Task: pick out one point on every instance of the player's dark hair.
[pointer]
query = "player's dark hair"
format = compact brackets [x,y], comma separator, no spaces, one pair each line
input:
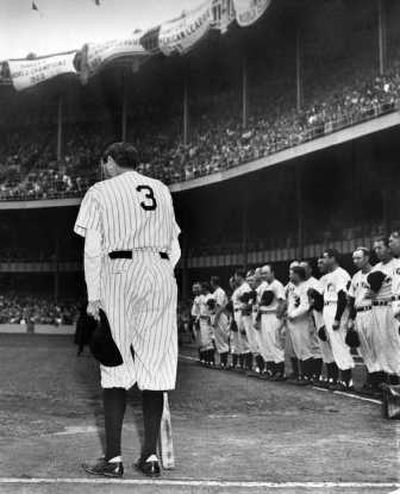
[123,153]
[301,272]
[333,253]
[215,280]
[205,286]
[240,273]
[384,239]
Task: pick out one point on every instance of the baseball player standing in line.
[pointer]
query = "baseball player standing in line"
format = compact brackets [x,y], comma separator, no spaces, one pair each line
[313,283]
[386,332]
[289,351]
[131,248]
[248,299]
[335,284]
[195,313]
[239,339]
[317,303]
[360,317]
[271,295]
[206,333]
[220,321]
[254,282]
[299,323]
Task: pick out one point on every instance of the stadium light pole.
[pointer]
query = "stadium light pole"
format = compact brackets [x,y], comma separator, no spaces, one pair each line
[245,228]
[299,211]
[244,91]
[185,106]
[382,36]
[59,127]
[299,70]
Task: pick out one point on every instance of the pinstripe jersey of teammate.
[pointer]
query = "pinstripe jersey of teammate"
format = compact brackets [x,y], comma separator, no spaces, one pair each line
[132,212]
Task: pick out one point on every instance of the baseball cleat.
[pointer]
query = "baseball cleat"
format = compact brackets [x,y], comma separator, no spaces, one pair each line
[149,467]
[104,468]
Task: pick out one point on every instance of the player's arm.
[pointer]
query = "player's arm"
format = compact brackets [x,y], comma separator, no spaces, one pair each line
[352,311]
[92,268]
[88,225]
[343,287]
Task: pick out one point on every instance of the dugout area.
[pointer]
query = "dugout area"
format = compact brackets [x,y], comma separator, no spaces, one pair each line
[232,433]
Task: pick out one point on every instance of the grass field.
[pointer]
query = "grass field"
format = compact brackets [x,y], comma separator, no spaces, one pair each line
[232,433]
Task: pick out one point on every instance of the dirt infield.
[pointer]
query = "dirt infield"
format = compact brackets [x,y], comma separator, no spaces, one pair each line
[227,428]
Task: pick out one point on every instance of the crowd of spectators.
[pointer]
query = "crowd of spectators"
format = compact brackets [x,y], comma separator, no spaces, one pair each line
[29,168]
[17,308]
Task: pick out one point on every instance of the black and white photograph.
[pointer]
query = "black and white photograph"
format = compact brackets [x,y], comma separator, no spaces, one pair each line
[200,246]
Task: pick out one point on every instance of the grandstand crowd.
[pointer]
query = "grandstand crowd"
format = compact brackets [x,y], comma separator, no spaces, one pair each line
[317,325]
[18,308]
[29,168]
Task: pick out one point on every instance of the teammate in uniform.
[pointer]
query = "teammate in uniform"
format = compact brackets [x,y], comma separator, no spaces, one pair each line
[317,303]
[195,314]
[361,318]
[271,297]
[220,321]
[289,351]
[249,298]
[206,333]
[254,282]
[386,332]
[131,248]
[316,365]
[300,324]
[240,343]
[335,284]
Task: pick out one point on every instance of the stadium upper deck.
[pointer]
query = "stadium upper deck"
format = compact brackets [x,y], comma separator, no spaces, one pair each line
[307,69]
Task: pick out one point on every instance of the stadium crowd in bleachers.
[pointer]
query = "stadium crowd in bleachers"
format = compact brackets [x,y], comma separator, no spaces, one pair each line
[17,308]
[29,168]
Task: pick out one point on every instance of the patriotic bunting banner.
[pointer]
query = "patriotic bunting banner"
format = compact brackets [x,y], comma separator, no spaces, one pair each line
[28,73]
[181,34]
[249,11]
[101,53]
[177,36]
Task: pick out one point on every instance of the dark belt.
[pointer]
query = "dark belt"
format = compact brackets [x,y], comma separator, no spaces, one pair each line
[364,309]
[128,254]
[381,303]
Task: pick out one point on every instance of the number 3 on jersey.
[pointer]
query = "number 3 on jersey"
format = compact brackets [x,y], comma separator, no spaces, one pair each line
[150,203]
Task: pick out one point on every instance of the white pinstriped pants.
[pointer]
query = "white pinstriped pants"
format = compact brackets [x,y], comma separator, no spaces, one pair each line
[139,296]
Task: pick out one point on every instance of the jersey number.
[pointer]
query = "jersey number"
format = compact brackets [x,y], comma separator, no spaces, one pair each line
[150,204]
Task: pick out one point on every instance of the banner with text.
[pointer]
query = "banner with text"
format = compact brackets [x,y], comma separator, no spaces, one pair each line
[249,11]
[101,53]
[28,73]
[181,34]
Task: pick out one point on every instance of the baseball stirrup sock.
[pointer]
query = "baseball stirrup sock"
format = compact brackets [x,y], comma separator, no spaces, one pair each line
[295,366]
[317,367]
[114,402]
[152,405]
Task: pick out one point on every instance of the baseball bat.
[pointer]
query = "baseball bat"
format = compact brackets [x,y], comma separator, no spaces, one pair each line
[166,444]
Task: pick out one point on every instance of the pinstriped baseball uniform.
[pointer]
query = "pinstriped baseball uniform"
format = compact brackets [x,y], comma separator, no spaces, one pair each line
[139,295]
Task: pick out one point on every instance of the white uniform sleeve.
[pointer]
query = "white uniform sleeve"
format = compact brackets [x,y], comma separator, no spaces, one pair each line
[89,217]
[92,263]
[279,290]
[175,251]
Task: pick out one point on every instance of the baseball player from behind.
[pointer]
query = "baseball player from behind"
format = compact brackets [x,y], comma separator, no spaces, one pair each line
[131,248]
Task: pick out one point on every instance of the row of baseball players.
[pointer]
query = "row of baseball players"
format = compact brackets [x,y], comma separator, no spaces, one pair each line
[310,322]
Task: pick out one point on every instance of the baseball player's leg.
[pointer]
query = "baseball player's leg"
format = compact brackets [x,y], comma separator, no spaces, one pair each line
[388,342]
[152,314]
[363,326]
[300,336]
[291,355]
[251,336]
[266,345]
[274,332]
[341,352]
[221,339]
